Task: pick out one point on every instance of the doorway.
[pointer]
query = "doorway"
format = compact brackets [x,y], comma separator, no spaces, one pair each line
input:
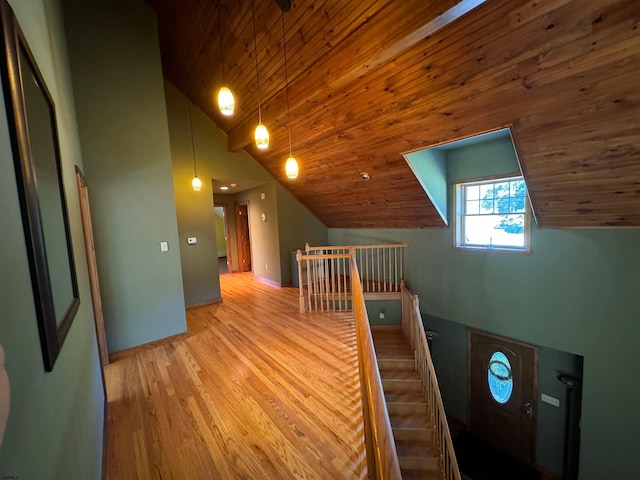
[503,392]
[243,237]
[225,260]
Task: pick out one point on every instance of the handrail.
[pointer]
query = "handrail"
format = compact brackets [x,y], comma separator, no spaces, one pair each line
[382,458]
[349,247]
[414,332]
[324,271]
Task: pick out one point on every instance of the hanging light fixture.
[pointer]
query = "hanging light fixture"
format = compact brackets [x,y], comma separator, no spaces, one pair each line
[195,183]
[291,165]
[226,102]
[261,134]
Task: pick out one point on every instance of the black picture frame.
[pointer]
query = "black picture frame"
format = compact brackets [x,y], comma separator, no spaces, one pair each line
[36,152]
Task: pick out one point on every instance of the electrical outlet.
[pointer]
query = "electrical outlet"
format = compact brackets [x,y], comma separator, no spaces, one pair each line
[164,246]
[192,241]
[382,313]
[550,400]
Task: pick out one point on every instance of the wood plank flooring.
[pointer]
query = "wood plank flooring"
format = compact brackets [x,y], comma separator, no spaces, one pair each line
[254,390]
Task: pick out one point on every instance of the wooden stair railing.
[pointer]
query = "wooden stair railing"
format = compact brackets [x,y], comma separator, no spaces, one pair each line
[382,458]
[413,330]
[323,275]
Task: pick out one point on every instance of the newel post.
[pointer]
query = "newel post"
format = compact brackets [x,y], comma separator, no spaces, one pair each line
[300,281]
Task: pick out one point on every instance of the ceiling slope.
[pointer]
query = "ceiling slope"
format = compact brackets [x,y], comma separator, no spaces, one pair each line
[372,80]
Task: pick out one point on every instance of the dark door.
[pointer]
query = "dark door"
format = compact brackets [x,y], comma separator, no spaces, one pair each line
[242,235]
[503,391]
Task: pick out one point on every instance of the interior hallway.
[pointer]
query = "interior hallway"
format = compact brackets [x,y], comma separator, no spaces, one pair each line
[254,390]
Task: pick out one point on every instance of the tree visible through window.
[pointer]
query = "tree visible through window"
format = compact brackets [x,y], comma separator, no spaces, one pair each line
[492,214]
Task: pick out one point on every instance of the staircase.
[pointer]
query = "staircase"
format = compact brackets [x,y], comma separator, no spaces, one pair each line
[406,404]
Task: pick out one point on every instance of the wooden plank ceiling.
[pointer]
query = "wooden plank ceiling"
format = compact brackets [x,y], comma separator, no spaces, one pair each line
[372,80]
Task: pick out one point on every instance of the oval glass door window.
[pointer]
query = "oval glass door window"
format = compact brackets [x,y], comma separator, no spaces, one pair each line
[499,377]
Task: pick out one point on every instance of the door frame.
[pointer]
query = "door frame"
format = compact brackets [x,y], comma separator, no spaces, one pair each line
[534,400]
[235,209]
[225,208]
[92,266]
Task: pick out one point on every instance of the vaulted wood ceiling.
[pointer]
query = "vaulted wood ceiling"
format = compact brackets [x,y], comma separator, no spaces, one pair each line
[370,80]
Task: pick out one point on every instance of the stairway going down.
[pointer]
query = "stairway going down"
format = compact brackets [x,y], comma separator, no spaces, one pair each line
[406,404]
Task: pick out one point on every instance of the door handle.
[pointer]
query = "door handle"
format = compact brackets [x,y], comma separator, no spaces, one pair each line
[527,408]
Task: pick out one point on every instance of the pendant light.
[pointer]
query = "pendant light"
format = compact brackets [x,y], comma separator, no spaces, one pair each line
[291,165]
[226,102]
[261,134]
[196,183]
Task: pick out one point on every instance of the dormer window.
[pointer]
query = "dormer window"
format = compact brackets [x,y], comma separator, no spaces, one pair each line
[493,214]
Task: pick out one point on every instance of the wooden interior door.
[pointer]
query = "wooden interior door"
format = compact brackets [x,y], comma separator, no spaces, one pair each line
[503,391]
[94,283]
[242,237]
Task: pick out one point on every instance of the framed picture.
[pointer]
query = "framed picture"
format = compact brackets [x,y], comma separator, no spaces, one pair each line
[34,142]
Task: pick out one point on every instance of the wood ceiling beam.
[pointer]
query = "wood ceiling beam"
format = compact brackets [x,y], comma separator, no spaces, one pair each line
[335,71]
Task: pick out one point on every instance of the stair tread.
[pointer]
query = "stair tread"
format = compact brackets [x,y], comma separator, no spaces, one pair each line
[414,448]
[419,475]
[404,396]
[406,405]
[398,363]
[420,464]
[399,375]
[409,421]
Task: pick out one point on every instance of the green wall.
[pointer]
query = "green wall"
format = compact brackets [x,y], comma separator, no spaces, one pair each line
[297,226]
[289,224]
[577,292]
[118,87]
[429,167]
[56,419]
[265,236]
[196,217]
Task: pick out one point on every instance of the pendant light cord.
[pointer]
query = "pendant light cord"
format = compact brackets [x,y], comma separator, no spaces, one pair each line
[286,81]
[224,83]
[255,55]
[193,145]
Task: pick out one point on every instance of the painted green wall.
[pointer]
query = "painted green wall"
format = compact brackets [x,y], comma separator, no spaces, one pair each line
[289,224]
[429,167]
[392,312]
[265,235]
[297,226]
[56,419]
[576,292]
[196,217]
[118,87]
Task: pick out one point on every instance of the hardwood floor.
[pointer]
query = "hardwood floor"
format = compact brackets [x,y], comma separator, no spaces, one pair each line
[254,390]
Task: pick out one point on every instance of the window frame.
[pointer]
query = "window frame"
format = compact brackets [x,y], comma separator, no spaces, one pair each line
[458,209]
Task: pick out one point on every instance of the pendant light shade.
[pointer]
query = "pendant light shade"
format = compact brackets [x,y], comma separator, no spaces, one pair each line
[262,136]
[291,165]
[226,102]
[195,183]
[291,168]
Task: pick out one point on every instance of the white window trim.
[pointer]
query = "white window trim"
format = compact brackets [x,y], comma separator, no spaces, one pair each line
[458,206]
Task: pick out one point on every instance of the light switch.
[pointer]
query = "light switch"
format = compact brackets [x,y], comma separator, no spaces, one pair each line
[164,246]
[262,196]
[192,240]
